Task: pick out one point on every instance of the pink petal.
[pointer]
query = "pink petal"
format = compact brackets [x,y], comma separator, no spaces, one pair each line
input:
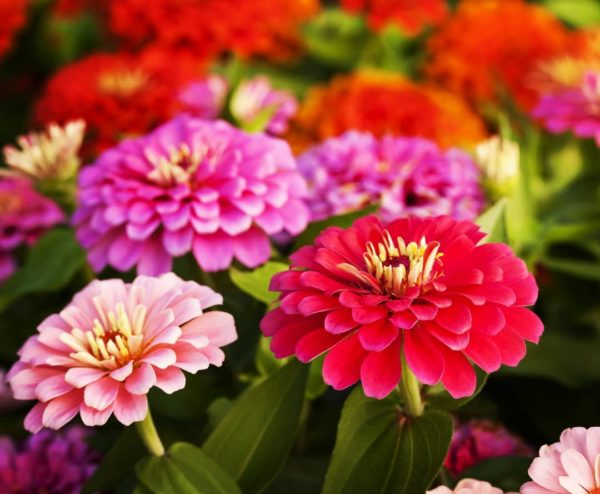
[190,359]
[217,326]
[252,248]
[80,377]
[378,335]
[129,408]
[459,377]
[160,357]
[422,356]
[524,322]
[101,394]
[213,252]
[61,410]
[92,417]
[381,371]
[577,467]
[316,343]
[33,420]
[456,318]
[340,321]
[170,380]
[342,364]
[141,380]
[52,387]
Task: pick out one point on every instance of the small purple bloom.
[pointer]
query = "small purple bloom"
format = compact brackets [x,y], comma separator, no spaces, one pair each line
[48,462]
[575,109]
[405,176]
[189,186]
[205,99]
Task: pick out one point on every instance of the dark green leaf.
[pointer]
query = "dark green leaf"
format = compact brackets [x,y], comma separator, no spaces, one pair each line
[300,476]
[186,469]
[50,265]
[438,397]
[254,439]
[492,222]
[256,283]
[581,269]
[508,473]
[380,450]
[343,221]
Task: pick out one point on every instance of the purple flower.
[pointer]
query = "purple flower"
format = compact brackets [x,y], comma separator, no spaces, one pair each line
[24,216]
[189,186]
[47,462]
[205,99]
[405,176]
[575,109]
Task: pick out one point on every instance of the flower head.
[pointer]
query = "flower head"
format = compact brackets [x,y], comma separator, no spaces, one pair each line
[189,186]
[410,15]
[49,155]
[113,343]
[468,486]
[406,176]
[504,53]
[570,466]
[421,290]
[13,15]
[118,94]
[205,98]
[48,462]
[256,98]
[382,104]
[478,440]
[24,216]
[499,160]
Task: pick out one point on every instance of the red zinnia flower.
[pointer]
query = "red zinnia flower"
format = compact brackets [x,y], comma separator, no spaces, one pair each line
[119,94]
[419,289]
[13,15]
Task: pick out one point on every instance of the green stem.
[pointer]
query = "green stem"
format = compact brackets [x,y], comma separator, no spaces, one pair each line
[411,392]
[149,436]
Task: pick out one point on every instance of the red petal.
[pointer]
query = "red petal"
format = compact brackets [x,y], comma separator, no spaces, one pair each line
[456,318]
[285,281]
[290,302]
[283,343]
[487,319]
[399,305]
[484,353]
[497,293]
[274,321]
[526,290]
[424,312]
[404,320]
[381,371]
[340,321]
[377,335]
[366,315]
[459,376]
[316,343]
[422,356]
[321,282]
[341,367]
[318,303]
[447,338]
[524,322]
[511,346]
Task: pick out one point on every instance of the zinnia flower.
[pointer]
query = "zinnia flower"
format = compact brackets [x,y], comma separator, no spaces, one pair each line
[48,462]
[118,94]
[383,103]
[191,185]
[504,53]
[13,15]
[49,155]
[575,109]
[411,16]
[406,176]
[24,216]
[478,440]
[205,98]
[418,289]
[468,486]
[113,343]
[570,466]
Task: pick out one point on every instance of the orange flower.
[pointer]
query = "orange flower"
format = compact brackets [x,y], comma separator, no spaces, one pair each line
[383,103]
[117,94]
[248,27]
[489,46]
[410,15]
[13,15]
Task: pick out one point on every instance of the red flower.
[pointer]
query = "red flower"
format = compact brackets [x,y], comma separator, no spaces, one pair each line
[119,94]
[13,15]
[419,289]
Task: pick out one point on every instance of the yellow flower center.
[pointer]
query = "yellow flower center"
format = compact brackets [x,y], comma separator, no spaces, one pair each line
[122,83]
[396,265]
[178,167]
[113,340]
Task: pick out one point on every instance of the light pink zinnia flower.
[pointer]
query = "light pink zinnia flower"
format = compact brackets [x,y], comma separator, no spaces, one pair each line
[191,185]
[103,352]
[574,109]
[468,486]
[570,466]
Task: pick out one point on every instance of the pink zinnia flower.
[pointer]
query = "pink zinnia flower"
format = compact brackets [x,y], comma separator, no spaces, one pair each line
[570,466]
[419,289]
[478,440]
[25,215]
[205,99]
[190,186]
[405,176]
[103,352]
[468,486]
[575,109]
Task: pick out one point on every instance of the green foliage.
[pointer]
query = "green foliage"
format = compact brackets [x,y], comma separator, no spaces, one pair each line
[438,398]
[380,450]
[256,283]
[579,13]
[508,473]
[493,222]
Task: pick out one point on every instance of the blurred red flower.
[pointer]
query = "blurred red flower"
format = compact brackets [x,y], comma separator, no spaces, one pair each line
[13,14]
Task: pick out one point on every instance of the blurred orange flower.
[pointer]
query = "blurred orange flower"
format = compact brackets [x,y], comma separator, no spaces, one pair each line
[489,46]
[384,103]
[247,27]
[410,15]
[118,94]
[13,15]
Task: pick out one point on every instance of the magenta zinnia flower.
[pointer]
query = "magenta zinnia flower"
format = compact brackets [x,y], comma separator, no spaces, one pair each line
[570,466]
[48,462]
[205,98]
[419,289]
[468,486]
[405,176]
[575,109]
[103,352]
[478,440]
[24,216]
[191,185]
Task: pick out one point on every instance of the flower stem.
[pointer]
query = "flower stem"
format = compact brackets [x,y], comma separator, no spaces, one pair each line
[411,392]
[149,436]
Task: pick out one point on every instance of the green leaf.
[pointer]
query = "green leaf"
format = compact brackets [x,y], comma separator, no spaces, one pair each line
[589,270]
[438,397]
[579,13]
[256,283]
[343,221]
[492,222]
[380,450]
[186,469]
[50,265]
[508,473]
[253,440]
[141,489]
